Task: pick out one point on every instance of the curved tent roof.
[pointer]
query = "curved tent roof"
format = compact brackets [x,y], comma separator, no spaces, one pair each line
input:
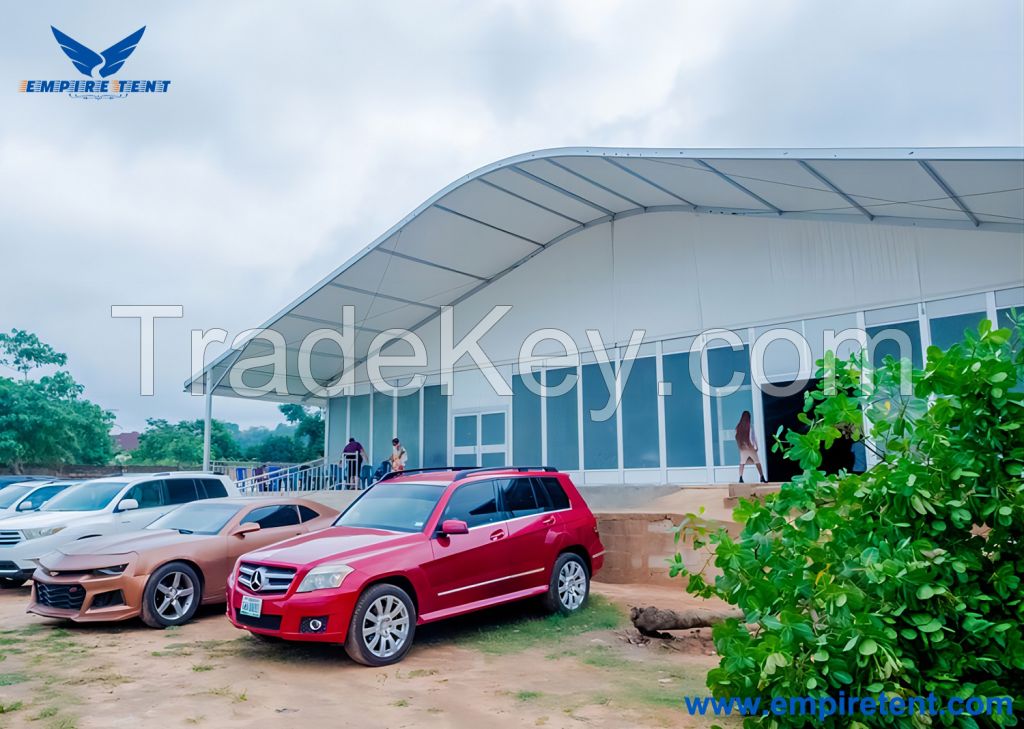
[486,224]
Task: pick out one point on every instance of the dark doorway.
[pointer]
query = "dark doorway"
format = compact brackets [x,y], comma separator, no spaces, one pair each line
[783,411]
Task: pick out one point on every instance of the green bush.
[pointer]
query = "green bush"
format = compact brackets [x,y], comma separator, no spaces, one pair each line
[904,580]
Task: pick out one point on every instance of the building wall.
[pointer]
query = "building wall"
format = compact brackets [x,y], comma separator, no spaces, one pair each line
[675,275]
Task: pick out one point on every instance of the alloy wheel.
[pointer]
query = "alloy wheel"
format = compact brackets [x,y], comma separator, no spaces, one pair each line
[174,595]
[572,584]
[385,626]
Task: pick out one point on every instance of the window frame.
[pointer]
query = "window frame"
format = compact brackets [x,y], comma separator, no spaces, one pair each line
[499,513]
[247,519]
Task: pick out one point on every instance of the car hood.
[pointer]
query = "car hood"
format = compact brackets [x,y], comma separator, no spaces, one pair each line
[43,519]
[138,542]
[333,544]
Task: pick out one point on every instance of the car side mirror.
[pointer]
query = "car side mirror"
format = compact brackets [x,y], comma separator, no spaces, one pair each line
[454,526]
[242,529]
[128,505]
[25,506]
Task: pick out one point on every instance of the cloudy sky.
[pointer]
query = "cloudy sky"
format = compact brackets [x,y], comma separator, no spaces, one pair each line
[294,133]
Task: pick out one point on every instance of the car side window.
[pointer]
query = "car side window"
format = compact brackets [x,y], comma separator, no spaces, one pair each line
[271,517]
[517,497]
[41,496]
[213,488]
[556,496]
[180,490]
[306,513]
[474,503]
[149,494]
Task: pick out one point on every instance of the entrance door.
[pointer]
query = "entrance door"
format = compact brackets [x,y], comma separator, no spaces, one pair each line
[481,439]
[784,411]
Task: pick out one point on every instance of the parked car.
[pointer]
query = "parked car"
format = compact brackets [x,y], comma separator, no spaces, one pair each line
[6,481]
[96,508]
[420,547]
[22,498]
[165,571]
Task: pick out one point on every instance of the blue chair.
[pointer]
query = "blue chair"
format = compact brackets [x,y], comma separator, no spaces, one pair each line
[240,473]
[275,480]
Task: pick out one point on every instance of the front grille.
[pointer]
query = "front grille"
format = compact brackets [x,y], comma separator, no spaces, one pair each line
[267,622]
[64,597]
[273,580]
[10,537]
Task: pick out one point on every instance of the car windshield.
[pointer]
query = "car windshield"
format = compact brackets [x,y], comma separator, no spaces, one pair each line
[197,518]
[11,494]
[91,496]
[393,506]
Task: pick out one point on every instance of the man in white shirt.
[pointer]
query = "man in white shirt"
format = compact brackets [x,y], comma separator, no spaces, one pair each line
[398,455]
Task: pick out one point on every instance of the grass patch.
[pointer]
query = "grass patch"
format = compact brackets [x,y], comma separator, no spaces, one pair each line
[9,679]
[420,673]
[10,708]
[45,713]
[523,633]
[228,693]
[401,703]
[202,667]
[528,695]
[602,656]
[110,679]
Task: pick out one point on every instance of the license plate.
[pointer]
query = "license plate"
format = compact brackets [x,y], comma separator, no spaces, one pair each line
[251,606]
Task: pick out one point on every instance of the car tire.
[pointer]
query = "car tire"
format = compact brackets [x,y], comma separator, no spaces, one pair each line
[570,584]
[166,600]
[10,583]
[366,642]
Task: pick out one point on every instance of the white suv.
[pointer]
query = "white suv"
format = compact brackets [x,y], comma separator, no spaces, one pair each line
[96,508]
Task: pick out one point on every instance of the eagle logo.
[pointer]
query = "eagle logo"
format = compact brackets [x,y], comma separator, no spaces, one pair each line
[86,60]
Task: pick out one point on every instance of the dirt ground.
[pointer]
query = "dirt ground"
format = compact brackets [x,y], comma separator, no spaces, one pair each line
[508,667]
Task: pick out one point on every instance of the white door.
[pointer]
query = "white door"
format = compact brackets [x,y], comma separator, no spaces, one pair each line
[480,439]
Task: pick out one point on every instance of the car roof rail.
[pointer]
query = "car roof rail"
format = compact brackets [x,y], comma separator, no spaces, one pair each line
[396,474]
[521,469]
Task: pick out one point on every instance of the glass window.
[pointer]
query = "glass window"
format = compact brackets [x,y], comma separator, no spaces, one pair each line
[465,430]
[89,496]
[399,507]
[149,494]
[383,426]
[197,518]
[557,498]
[640,415]
[492,460]
[492,429]
[1005,321]
[562,425]
[180,490]
[42,495]
[949,330]
[465,460]
[887,340]
[435,427]
[525,423]
[474,504]
[359,421]
[211,488]
[272,517]
[11,494]
[306,514]
[517,497]
[600,439]
[408,429]
[724,364]
[684,414]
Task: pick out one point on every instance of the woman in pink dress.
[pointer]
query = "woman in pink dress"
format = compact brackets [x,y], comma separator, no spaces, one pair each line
[748,445]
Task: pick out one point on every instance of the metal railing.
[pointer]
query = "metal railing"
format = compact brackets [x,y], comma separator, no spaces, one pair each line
[315,475]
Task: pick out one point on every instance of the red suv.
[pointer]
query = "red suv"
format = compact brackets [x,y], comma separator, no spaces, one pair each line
[418,547]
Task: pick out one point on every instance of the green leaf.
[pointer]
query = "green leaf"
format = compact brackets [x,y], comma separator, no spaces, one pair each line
[868,647]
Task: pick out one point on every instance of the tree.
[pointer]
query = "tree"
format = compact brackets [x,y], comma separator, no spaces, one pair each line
[181,443]
[309,430]
[47,421]
[904,580]
[23,352]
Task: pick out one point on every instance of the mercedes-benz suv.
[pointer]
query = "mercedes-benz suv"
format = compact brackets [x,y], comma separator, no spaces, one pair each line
[419,547]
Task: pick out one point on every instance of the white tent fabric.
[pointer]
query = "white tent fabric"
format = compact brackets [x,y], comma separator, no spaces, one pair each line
[486,224]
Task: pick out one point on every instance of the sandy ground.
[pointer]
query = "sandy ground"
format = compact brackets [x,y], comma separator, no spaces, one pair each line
[61,676]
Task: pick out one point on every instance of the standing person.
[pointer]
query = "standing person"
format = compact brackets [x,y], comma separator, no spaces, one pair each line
[747,444]
[352,465]
[398,455]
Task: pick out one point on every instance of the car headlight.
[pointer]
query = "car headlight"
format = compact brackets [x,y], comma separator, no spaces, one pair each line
[324,577]
[111,571]
[37,533]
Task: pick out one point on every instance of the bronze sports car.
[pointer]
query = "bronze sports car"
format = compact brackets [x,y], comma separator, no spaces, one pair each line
[165,571]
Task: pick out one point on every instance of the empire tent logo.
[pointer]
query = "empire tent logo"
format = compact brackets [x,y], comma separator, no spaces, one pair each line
[90,63]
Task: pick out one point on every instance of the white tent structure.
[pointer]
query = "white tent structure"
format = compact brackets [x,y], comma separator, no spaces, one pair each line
[484,227]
